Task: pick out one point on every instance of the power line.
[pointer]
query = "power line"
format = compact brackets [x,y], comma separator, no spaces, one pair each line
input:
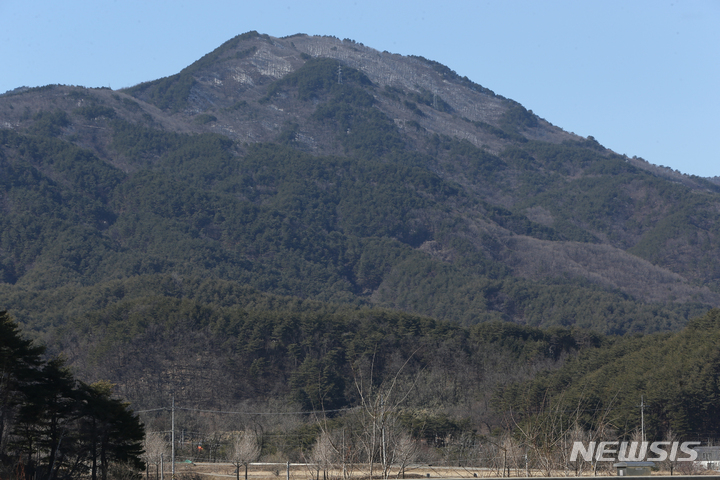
[151,410]
[230,412]
[227,412]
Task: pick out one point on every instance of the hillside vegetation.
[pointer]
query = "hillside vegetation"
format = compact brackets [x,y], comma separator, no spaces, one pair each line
[676,375]
[370,210]
[286,217]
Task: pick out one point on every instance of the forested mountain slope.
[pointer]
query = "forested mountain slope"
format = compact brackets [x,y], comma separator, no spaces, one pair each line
[322,169]
[674,375]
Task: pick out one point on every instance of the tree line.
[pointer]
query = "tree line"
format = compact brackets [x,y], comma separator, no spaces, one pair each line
[53,426]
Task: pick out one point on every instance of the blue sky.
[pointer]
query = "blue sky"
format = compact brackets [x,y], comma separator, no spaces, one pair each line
[642,77]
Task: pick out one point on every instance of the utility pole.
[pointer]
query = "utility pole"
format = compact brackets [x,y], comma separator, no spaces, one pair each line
[172,438]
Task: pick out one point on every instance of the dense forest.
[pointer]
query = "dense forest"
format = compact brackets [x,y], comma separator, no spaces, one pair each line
[676,373]
[299,378]
[302,225]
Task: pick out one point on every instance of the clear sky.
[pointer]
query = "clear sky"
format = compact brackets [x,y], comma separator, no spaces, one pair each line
[641,76]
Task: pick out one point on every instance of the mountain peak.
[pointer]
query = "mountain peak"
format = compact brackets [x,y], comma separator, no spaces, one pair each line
[243,67]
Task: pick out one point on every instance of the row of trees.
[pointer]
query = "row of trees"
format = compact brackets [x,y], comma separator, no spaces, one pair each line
[593,397]
[370,436]
[374,440]
[53,426]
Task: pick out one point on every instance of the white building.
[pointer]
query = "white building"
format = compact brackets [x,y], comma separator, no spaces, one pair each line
[708,457]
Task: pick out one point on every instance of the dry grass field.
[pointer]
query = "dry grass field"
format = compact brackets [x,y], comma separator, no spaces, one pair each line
[205,471]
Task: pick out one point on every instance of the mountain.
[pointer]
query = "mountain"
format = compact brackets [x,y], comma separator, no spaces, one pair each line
[319,169]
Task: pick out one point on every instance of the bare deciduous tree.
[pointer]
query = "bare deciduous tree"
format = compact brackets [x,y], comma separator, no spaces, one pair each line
[379,407]
[669,463]
[245,448]
[405,451]
[155,447]
[324,453]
